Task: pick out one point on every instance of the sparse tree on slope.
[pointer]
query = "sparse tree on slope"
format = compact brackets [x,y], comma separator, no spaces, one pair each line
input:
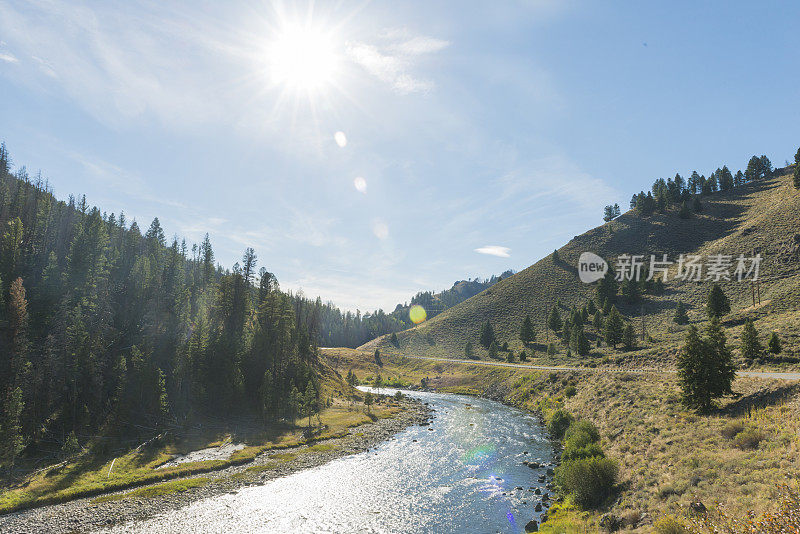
[680,317]
[613,327]
[487,335]
[705,367]
[469,353]
[797,169]
[629,337]
[579,341]
[527,334]
[717,304]
[554,321]
[775,343]
[751,347]
[608,287]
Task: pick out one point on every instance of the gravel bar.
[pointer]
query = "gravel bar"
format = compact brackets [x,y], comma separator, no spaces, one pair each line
[81,515]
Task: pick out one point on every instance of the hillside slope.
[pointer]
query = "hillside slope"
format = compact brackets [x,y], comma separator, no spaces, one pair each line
[759,217]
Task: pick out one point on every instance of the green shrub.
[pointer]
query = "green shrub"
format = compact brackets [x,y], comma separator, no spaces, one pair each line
[748,439]
[669,525]
[581,433]
[590,481]
[730,430]
[558,423]
[570,391]
[572,452]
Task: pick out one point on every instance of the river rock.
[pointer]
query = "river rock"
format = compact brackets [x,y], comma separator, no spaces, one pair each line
[532,526]
[538,491]
[538,507]
[697,507]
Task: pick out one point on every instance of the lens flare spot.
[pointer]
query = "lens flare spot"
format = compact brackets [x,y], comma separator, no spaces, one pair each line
[360,184]
[417,314]
[479,455]
[340,138]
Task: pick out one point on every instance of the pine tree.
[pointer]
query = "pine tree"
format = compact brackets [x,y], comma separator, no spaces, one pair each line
[11,439]
[368,400]
[377,357]
[631,291]
[680,317]
[608,287]
[629,337]
[579,341]
[469,353]
[613,327]
[751,347]
[717,303]
[591,308]
[487,336]
[797,169]
[18,323]
[523,356]
[725,179]
[775,344]
[554,321]
[527,334]
[685,212]
[309,402]
[697,206]
[705,367]
[493,350]
[597,321]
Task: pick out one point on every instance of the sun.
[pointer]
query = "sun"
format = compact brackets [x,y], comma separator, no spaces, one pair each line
[303,58]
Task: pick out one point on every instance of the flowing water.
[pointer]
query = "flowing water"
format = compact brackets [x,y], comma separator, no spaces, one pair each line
[463,473]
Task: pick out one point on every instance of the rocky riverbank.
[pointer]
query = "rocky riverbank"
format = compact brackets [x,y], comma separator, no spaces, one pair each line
[87,514]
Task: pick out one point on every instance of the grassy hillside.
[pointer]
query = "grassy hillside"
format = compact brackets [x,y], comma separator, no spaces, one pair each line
[759,217]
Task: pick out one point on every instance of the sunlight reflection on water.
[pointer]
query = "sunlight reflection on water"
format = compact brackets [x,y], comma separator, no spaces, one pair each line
[456,478]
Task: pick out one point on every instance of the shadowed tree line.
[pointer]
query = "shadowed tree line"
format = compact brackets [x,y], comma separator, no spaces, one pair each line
[105,328]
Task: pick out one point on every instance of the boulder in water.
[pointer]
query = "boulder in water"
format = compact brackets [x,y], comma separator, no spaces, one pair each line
[532,526]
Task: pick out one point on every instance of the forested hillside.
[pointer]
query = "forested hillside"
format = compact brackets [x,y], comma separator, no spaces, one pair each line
[348,329]
[105,328]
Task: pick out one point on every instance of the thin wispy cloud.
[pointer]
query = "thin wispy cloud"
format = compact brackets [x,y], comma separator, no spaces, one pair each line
[393,58]
[8,57]
[494,250]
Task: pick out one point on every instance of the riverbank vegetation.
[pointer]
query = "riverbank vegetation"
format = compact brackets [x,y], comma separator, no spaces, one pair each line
[737,455]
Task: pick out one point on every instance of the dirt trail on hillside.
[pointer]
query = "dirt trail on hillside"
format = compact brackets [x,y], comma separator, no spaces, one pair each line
[645,370]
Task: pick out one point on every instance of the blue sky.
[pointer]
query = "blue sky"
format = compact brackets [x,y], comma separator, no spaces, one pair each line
[501,127]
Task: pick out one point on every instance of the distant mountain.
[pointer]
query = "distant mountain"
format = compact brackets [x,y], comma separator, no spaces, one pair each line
[347,329]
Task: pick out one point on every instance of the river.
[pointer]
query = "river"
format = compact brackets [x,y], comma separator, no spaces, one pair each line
[463,473]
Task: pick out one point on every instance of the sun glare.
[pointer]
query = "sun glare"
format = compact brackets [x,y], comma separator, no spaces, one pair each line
[303,58]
